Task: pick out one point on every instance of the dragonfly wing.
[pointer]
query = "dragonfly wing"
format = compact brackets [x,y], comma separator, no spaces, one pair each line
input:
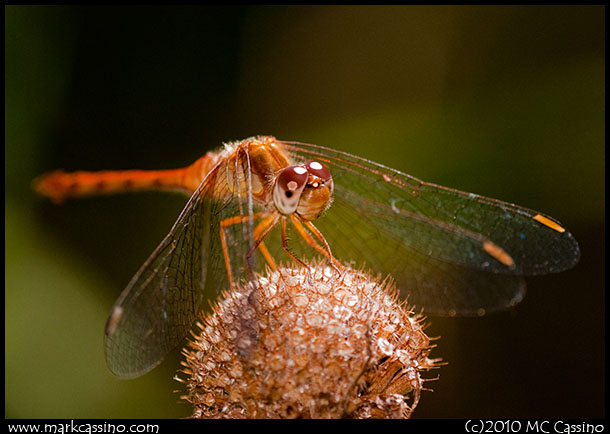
[437,286]
[159,306]
[439,243]
[448,224]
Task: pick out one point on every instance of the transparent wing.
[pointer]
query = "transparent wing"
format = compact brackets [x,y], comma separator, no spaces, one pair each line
[159,306]
[431,239]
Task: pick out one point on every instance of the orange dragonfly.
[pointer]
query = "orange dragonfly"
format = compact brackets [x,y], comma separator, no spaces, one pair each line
[450,252]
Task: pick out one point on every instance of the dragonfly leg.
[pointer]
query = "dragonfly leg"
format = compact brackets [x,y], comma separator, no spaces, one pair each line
[265,227]
[287,250]
[261,231]
[223,239]
[261,245]
[326,251]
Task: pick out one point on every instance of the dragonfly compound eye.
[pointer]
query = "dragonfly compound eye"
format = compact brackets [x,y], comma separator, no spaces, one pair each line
[289,185]
[320,171]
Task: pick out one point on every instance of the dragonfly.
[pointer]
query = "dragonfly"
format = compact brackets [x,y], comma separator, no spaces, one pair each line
[260,201]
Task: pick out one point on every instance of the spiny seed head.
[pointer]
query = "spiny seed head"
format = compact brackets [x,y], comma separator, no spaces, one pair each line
[307,345]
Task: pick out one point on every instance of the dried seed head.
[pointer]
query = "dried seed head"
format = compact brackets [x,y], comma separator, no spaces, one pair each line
[315,345]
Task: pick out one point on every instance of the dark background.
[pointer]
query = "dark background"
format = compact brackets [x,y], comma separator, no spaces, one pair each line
[507,102]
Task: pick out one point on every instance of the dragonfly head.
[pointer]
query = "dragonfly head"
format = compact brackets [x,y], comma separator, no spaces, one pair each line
[306,190]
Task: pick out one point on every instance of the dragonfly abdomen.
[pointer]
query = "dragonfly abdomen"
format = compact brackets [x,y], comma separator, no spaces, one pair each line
[60,185]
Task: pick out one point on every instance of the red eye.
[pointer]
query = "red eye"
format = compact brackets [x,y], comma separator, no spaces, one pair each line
[319,170]
[289,185]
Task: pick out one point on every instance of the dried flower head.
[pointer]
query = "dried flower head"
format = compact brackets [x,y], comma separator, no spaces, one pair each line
[308,345]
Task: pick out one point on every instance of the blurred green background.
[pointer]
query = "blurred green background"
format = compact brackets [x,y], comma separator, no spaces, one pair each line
[507,102]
